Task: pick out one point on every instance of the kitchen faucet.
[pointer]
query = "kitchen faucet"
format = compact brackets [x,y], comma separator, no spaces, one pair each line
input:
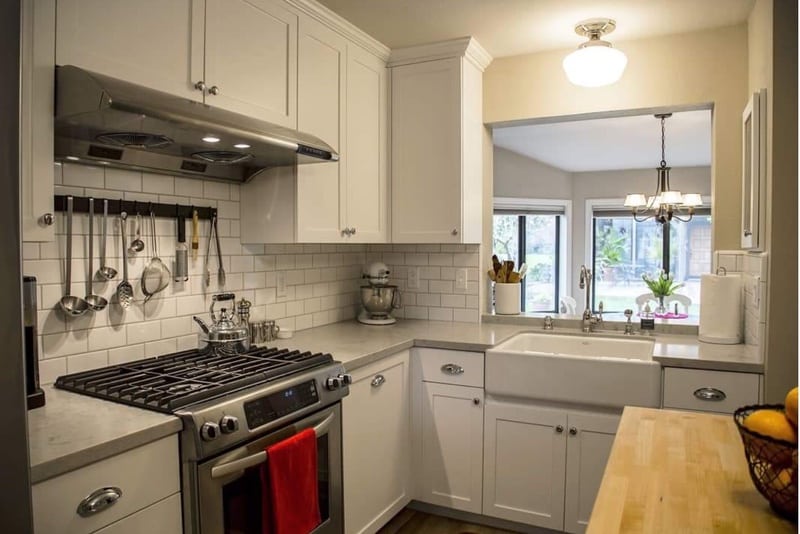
[589,320]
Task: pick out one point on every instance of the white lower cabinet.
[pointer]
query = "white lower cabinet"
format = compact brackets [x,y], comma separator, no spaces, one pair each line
[543,466]
[709,391]
[447,427]
[376,447]
[138,483]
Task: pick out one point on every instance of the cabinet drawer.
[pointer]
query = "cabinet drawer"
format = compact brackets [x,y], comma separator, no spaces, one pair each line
[709,391]
[451,366]
[144,475]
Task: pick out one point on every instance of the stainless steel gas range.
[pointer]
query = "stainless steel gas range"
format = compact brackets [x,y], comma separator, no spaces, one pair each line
[232,408]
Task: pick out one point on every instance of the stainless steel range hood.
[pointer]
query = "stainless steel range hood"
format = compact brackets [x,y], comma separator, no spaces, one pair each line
[105,121]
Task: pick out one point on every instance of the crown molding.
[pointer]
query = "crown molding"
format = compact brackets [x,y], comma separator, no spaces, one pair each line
[342,26]
[466,47]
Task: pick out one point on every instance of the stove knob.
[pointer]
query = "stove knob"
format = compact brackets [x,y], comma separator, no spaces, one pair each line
[209,431]
[228,424]
[333,383]
[346,379]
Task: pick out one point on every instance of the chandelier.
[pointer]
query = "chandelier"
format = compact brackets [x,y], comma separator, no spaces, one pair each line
[666,204]
[595,63]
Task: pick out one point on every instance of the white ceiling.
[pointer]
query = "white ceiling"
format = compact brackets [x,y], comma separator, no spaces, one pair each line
[613,143]
[513,27]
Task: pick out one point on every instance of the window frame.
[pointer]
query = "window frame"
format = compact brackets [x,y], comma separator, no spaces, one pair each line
[546,206]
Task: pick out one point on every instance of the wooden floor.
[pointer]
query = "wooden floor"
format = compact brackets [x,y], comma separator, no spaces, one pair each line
[413,522]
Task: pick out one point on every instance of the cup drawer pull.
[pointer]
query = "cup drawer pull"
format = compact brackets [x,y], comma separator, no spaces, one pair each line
[378,381]
[452,369]
[98,501]
[710,394]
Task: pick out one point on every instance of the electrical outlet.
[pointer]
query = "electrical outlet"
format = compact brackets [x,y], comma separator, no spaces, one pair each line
[413,278]
[461,279]
[280,282]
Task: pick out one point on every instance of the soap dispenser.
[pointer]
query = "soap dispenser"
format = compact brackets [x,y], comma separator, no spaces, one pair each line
[647,321]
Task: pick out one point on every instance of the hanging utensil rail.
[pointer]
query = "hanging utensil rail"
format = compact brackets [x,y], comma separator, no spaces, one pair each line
[117,206]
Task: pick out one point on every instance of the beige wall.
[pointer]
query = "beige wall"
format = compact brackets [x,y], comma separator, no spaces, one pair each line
[689,69]
[522,177]
[772,64]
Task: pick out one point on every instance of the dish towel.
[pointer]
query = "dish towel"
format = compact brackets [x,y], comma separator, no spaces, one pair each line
[290,498]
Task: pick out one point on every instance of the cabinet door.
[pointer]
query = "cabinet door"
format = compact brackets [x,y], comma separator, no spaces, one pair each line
[150,42]
[524,464]
[426,152]
[376,444]
[452,446]
[589,441]
[36,118]
[251,57]
[163,517]
[321,85]
[367,183]
[754,172]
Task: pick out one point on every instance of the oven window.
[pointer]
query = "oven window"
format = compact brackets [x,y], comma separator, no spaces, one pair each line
[242,497]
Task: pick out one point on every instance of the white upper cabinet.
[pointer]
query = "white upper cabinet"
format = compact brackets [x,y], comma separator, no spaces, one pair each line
[251,59]
[754,172]
[36,120]
[322,58]
[149,42]
[437,163]
[236,55]
[366,157]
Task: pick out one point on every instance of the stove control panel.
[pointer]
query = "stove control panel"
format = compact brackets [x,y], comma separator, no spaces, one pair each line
[209,431]
[336,382]
[268,408]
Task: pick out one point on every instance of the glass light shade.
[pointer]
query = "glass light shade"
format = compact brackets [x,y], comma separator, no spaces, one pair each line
[635,200]
[671,197]
[692,199]
[595,66]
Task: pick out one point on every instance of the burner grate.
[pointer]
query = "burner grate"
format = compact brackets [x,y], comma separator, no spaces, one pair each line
[168,383]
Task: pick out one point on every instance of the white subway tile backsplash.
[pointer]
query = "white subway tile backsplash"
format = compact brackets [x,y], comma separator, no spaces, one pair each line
[122,180]
[157,348]
[125,354]
[142,332]
[82,176]
[440,314]
[87,361]
[158,183]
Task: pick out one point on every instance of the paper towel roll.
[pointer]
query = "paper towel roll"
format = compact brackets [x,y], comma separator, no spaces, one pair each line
[720,309]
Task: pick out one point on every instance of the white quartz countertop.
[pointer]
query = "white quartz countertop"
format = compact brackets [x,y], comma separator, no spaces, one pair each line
[73,430]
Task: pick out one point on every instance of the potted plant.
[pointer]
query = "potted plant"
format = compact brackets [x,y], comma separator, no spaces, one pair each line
[662,286]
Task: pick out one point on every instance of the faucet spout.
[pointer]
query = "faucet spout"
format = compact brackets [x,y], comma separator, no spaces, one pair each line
[589,320]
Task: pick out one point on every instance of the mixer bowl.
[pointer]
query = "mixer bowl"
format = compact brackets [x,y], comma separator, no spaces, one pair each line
[379,300]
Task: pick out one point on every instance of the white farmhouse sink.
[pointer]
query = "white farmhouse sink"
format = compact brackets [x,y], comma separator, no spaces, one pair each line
[586,370]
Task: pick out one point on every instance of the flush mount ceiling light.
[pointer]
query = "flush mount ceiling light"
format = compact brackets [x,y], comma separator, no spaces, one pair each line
[595,63]
[666,204]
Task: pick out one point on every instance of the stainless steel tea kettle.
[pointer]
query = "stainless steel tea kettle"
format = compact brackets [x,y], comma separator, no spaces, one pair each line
[225,333]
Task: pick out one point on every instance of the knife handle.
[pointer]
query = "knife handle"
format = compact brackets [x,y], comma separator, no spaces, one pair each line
[195,234]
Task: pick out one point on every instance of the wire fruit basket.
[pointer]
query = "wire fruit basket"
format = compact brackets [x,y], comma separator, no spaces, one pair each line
[772,463]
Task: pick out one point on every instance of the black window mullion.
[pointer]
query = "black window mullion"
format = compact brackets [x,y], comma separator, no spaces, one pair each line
[521,256]
[557,298]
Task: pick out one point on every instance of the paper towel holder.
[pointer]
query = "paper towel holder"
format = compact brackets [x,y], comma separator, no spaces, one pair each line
[722,271]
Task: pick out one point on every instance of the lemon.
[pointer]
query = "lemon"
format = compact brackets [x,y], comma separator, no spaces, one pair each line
[772,423]
[783,479]
[791,406]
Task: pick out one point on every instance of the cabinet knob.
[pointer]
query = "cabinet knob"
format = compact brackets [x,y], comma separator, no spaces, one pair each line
[573,431]
[454,231]
[559,429]
[99,500]
[748,233]
[47,219]
[378,381]
[346,231]
[452,369]
[213,90]
[200,86]
[476,401]
[710,394]
[353,230]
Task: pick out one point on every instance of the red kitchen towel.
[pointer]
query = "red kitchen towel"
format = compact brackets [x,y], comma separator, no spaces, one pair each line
[290,502]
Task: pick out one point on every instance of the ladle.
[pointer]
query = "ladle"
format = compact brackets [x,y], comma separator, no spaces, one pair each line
[137,245]
[95,302]
[72,305]
[105,272]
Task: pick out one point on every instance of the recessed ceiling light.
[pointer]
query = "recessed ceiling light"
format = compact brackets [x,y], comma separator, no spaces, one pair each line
[241,145]
[211,139]
[73,158]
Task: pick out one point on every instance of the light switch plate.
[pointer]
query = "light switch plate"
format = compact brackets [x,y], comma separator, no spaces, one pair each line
[280,282]
[461,278]
[413,278]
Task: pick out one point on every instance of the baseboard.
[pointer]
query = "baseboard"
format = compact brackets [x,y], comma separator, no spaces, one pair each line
[479,519]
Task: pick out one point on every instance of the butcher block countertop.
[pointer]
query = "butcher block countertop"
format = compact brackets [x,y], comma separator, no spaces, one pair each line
[673,471]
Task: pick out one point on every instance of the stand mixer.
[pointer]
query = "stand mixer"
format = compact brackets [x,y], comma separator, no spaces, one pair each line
[378,298]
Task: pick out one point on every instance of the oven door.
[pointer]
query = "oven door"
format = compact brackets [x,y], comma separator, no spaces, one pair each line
[229,486]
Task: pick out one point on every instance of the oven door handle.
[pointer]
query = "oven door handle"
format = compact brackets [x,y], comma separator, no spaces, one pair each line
[235,466]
